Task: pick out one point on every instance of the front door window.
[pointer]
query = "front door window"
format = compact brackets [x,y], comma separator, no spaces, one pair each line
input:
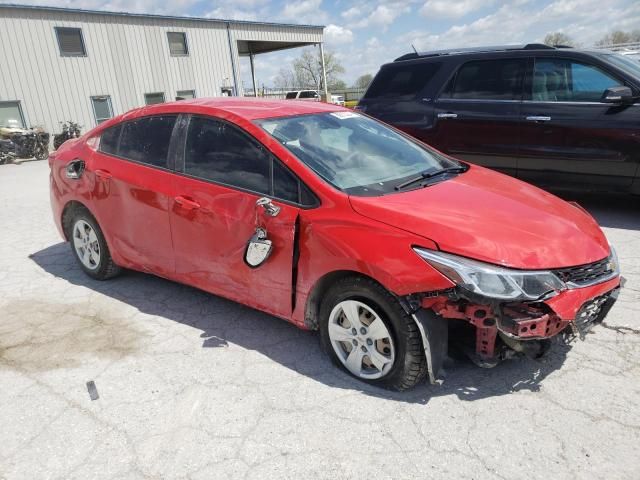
[564,80]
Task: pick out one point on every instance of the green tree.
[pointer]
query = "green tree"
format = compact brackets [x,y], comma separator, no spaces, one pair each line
[363,81]
[558,38]
[308,69]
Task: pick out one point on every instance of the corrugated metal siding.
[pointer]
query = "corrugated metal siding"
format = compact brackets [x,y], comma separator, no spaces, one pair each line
[126,58]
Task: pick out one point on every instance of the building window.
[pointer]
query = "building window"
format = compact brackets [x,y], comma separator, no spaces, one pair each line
[178,43]
[102,108]
[11,115]
[185,94]
[153,98]
[70,42]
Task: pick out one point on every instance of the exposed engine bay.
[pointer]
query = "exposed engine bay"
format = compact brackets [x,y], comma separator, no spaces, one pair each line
[489,331]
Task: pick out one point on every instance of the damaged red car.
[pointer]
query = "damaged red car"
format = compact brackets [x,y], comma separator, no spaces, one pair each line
[335,222]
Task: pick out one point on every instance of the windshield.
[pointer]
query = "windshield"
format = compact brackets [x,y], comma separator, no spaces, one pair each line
[625,63]
[354,153]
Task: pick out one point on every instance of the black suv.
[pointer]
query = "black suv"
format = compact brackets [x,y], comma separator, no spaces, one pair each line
[555,116]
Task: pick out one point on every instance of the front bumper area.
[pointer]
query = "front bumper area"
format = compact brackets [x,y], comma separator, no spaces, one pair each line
[525,326]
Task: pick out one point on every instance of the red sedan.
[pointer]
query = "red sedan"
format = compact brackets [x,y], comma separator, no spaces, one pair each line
[336,222]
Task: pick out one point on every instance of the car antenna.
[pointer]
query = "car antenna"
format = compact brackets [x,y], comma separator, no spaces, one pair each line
[414,49]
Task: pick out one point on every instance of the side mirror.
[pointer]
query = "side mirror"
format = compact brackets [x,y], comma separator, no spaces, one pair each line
[620,95]
[258,249]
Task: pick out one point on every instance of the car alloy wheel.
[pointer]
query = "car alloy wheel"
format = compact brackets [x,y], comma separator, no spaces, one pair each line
[361,340]
[86,245]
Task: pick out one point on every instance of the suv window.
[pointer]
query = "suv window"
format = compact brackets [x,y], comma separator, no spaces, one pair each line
[308,94]
[563,80]
[488,80]
[402,82]
[147,140]
[291,95]
[218,151]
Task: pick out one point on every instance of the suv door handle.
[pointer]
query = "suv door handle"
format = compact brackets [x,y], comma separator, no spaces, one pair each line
[448,115]
[103,174]
[186,203]
[538,118]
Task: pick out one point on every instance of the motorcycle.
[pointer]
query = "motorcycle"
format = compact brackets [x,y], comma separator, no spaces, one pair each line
[7,151]
[69,130]
[17,142]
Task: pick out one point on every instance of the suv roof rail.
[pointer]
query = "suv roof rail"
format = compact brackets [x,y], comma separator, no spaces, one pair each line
[495,48]
[538,46]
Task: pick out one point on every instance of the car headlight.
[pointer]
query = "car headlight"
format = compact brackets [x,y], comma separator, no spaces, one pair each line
[614,264]
[491,280]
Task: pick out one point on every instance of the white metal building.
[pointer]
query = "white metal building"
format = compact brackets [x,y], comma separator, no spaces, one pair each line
[62,64]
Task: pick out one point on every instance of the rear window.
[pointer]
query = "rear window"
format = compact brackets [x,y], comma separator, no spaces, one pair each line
[291,95]
[402,82]
[109,140]
[488,80]
[147,140]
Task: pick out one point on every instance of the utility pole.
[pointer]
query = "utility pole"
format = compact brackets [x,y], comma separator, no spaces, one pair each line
[324,74]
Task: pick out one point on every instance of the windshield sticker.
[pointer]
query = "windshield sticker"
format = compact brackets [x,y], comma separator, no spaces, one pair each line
[343,115]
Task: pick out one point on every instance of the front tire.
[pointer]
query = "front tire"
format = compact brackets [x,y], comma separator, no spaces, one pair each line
[90,248]
[365,331]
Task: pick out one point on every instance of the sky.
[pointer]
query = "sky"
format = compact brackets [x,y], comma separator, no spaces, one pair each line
[367,34]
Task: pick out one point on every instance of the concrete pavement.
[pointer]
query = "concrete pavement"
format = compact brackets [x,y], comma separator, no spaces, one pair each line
[192,386]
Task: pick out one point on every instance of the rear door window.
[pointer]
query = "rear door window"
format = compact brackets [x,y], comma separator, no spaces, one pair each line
[147,140]
[499,79]
[402,82]
[291,95]
[109,140]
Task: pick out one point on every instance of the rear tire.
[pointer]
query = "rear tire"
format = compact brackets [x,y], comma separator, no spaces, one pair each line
[366,332]
[89,246]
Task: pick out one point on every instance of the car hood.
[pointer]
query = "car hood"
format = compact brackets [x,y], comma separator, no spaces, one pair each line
[491,217]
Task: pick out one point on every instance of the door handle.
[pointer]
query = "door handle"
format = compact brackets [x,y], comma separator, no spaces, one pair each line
[186,203]
[538,118]
[103,174]
[448,115]
[269,208]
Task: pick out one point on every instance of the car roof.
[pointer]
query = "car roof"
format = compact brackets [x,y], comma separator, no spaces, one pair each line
[249,108]
[499,49]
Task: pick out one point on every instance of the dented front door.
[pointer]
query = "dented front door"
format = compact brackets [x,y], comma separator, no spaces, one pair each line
[211,226]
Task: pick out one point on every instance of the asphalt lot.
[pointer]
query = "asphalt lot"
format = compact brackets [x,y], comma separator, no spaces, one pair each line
[194,386]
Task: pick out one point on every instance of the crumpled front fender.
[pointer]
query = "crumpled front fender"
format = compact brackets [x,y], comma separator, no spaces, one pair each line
[435,338]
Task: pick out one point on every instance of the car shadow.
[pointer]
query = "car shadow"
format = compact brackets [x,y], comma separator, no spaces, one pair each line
[223,322]
[612,211]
